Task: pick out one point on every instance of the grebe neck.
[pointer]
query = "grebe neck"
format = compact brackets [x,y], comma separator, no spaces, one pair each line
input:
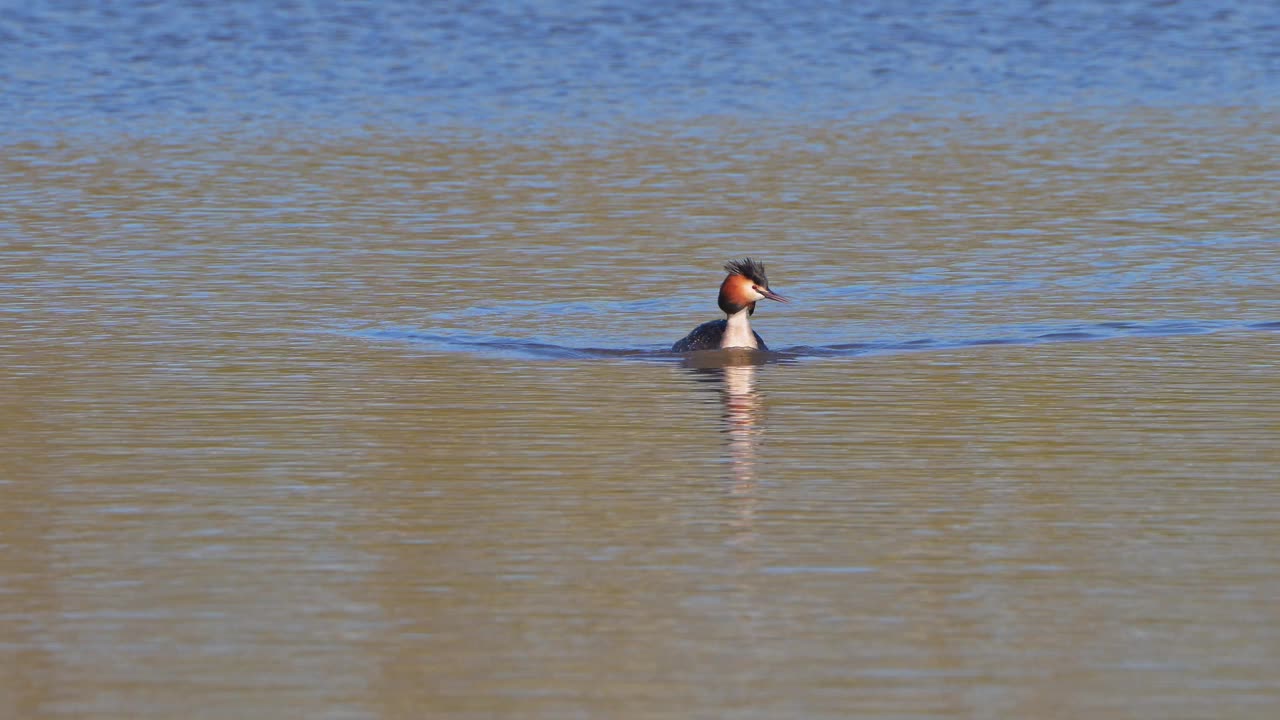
[737,333]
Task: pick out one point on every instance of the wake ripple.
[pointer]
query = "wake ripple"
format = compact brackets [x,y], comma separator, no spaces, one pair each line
[527,349]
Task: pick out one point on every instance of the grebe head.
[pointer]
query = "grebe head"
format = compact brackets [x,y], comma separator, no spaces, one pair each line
[745,285]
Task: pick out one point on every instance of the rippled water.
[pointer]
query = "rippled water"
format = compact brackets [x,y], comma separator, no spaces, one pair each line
[539,64]
[335,351]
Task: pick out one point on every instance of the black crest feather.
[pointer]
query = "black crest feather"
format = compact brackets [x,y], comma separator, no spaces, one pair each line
[749,269]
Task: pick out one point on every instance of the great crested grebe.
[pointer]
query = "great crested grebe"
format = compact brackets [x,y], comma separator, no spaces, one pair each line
[739,292]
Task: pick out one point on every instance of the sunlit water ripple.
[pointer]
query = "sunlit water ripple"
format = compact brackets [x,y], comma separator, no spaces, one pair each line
[338,385]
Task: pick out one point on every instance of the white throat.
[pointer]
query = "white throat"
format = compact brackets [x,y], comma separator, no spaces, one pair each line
[738,332]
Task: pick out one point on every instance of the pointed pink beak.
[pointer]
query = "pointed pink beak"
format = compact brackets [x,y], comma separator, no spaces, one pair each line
[769,293]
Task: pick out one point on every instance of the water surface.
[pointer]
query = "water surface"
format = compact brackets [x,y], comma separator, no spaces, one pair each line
[337,376]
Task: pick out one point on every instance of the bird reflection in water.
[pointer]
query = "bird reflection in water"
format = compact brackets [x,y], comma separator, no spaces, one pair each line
[734,372]
[742,425]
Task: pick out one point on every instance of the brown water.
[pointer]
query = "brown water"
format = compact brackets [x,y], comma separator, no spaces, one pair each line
[382,427]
